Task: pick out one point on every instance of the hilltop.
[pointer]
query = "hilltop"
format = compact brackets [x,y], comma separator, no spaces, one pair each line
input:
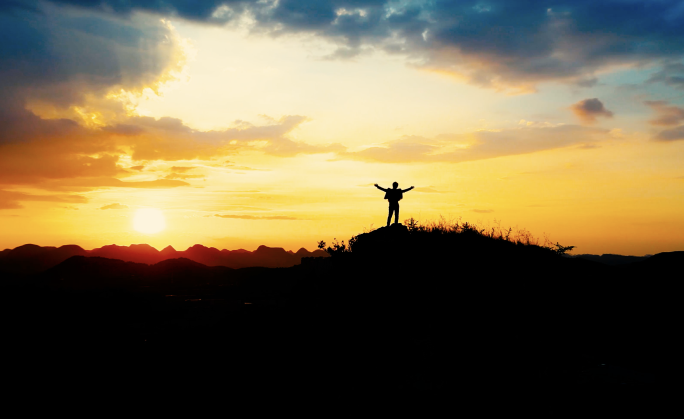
[398,310]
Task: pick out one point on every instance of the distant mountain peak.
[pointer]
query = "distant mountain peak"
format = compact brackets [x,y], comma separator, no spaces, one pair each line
[111,246]
[198,246]
[262,248]
[143,246]
[71,246]
[31,258]
[28,246]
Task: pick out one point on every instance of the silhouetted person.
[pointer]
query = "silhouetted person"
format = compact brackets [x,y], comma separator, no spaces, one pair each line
[393,195]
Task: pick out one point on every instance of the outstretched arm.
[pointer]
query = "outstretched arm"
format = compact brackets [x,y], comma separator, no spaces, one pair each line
[406,190]
[382,189]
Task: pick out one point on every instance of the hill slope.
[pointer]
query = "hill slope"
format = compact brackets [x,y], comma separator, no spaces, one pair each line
[403,312]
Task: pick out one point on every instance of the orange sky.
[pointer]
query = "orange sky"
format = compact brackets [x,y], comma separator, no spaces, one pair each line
[242,138]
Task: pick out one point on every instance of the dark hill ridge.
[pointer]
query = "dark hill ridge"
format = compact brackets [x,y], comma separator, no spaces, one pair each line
[610,259]
[93,272]
[412,307]
[30,258]
[405,312]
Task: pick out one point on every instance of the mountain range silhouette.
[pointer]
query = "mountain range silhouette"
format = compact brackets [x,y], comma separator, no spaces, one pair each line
[31,258]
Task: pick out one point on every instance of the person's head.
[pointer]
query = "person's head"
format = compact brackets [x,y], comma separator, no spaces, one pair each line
[395,185]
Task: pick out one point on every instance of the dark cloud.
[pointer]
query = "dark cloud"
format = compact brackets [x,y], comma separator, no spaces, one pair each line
[59,55]
[138,168]
[671,74]
[588,110]
[124,129]
[666,114]
[114,206]
[200,10]
[478,145]
[673,134]
[56,58]
[494,43]
[588,82]
[256,217]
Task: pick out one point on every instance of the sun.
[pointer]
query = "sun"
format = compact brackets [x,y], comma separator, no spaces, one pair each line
[149,220]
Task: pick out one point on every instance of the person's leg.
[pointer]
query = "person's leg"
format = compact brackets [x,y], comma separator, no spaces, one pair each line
[396,214]
[389,217]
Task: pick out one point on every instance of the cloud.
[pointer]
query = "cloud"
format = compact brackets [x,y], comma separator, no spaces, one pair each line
[478,145]
[248,168]
[151,184]
[498,43]
[181,169]
[114,206]
[124,130]
[254,217]
[671,74]
[666,115]
[180,172]
[181,176]
[12,199]
[673,134]
[171,140]
[57,58]
[483,211]
[34,150]
[58,66]
[104,182]
[234,167]
[588,110]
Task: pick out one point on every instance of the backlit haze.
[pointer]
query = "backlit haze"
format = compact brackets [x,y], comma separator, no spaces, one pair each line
[250,123]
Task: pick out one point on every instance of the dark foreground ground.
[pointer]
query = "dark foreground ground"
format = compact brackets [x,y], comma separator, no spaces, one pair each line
[402,314]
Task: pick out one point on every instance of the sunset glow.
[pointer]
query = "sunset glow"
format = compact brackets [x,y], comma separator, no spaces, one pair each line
[267,124]
[149,221]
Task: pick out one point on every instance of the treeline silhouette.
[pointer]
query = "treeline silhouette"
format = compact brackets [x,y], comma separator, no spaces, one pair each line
[404,310]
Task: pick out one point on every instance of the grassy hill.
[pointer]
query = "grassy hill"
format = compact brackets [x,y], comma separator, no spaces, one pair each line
[399,310]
